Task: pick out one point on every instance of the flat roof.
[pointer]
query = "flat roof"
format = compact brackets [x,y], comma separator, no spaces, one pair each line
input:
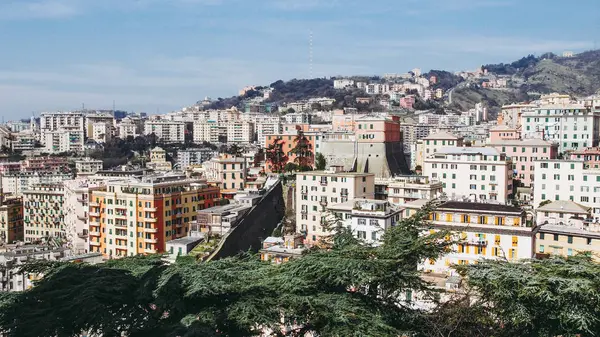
[186,240]
[477,206]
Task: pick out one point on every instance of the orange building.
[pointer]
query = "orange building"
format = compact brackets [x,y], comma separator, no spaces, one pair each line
[138,216]
[289,142]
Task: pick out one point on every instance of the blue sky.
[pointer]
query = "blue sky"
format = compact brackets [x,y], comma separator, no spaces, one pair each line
[151,55]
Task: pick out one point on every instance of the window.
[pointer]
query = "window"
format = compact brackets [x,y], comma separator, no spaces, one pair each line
[555,237]
[541,248]
[374,236]
[570,239]
[473,187]
[361,234]
[541,236]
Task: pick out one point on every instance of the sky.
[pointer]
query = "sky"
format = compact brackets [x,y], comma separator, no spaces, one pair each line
[161,55]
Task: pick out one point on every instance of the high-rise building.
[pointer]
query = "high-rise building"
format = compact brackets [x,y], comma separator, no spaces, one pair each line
[62,131]
[166,131]
[229,171]
[76,209]
[139,215]
[315,190]
[44,212]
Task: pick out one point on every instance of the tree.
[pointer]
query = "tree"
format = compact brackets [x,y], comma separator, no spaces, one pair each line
[259,156]
[545,202]
[290,111]
[349,289]
[550,297]
[290,167]
[276,157]
[303,151]
[320,161]
[316,106]
[235,150]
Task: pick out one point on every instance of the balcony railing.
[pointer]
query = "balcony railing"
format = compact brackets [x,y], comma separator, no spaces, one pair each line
[150,230]
[94,243]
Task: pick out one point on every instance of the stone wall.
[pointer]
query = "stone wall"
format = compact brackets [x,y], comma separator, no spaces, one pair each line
[256,225]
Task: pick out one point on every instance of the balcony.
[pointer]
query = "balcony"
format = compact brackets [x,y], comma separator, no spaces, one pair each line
[94,233]
[480,243]
[153,220]
[304,192]
[150,251]
[146,240]
[150,209]
[304,211]
[82,235]
[82,218]
[120,216]
[94,204]
[120,225]
[94,243]
[178,215]
[344,193]
[323,183]
[323,203]
[150,230]
[96,214]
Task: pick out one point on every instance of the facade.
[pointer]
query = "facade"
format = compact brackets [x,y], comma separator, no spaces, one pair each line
[18,183]
[240,132]
[298,118]
[565,229]
[101,131]
[289,143]
[591,156]
[401,190]
[76,212]
[280,250]
[44,212]
[24,140]
[166,131]
[158,160]
[88,166]
[573,126]
[266,128]
[221,219]
[523,153]
[189,157]
[139,215]
[485,231]
[503,132]
[571,180]
[64,139]
[129,128]
[315,190]
[229,171]
[367,219]
[476,173]
[11,220]
[439,140]
[209,131]
[56,121]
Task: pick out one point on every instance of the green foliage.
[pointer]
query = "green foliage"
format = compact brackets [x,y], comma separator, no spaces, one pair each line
[551,297]
[320,161]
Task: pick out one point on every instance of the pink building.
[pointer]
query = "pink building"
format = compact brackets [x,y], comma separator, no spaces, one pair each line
[44,163]
[523,153]
[503,132]
[590,155]
[378,129]
[407,102]
[10,167]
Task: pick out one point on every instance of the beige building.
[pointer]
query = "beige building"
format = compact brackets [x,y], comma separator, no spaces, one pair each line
[44,212]
[158,160]
[88,166]
[166,131]
[400,190]
[566,229]
[439,140]
[229,171]
[76,212]
[315,190]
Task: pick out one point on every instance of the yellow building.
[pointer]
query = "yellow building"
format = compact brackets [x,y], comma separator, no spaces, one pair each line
[138,216]
[565,229]
[485,231]
[11,220]
[158,160]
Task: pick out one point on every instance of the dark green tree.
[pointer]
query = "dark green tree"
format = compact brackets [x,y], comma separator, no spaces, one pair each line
[320,161]
[303,151]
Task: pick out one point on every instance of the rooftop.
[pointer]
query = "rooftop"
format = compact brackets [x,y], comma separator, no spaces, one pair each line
[564,206]
[334,174]
[476,206]
[186,240]
[486,151]
[442,135]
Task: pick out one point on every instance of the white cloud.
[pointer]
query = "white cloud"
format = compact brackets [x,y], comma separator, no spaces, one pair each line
[50,9]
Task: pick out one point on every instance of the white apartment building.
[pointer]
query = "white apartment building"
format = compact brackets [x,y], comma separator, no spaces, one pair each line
[343,83]
[230,171]
[24,140]
[17,183]
[439,140]
[55,121]
[76,207]
[209,131]
[401,190]
[298,118]
[572,180]
[64,139]
[128,128]
[44,212]
[88,166]
[485,231]
[367,219]
[166,131]
[573,126]
[240,132]
[101,132]
[186,158]
[475,173]
[315,190]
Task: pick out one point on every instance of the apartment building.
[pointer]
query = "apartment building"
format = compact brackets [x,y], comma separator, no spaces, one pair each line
[315,190]
[209,131]
[129,127]
[24,140]
[367,219]
[11,219]
[574,126]
[55,121]
[139,215]
[403,189]
[590,155]
[166,131]
[439,140]
[572,180]
[240,132]
[18,183]
[88,166]
[510,115]
[158,160]
[298,118]
[44,212]
[566,229]
[475,173]
[229,171]
[64,139]
[266,128]
[523,153]
[189,157]
[76,212]
[485,231]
